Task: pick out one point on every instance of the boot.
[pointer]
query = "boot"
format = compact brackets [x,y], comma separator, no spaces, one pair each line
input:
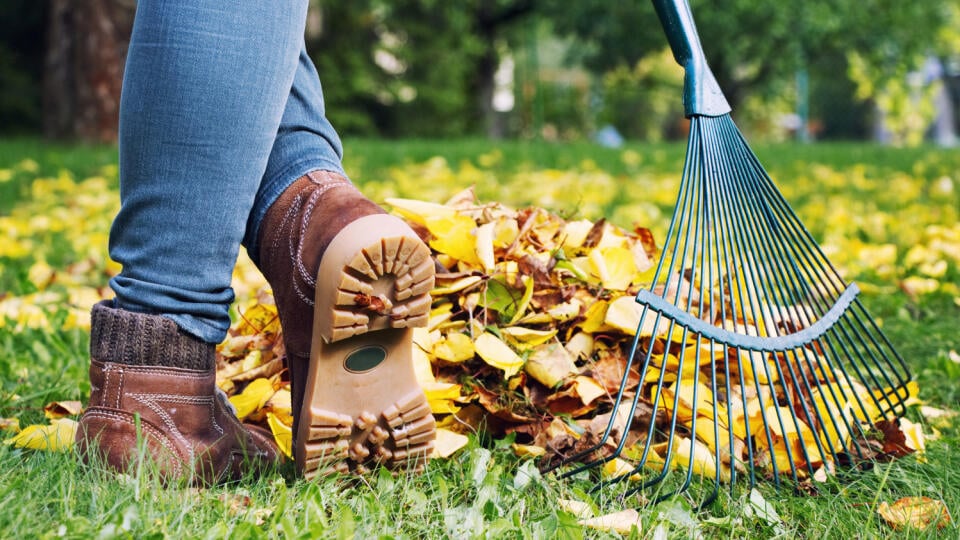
[350,283]
[184,422]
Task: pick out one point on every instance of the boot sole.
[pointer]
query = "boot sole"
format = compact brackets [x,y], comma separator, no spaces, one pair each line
[362,405]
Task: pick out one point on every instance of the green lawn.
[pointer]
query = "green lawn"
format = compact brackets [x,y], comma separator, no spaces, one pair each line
[887,217]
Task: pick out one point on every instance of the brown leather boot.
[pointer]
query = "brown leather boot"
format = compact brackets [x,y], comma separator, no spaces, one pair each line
[184,422]
[350,282]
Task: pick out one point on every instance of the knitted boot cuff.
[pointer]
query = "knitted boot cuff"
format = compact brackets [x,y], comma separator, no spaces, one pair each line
[126,337]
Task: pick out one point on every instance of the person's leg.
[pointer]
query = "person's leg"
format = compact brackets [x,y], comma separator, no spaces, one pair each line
[308,215]
[204,90]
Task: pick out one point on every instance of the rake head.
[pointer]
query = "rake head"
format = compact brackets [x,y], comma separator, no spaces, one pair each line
[752,357]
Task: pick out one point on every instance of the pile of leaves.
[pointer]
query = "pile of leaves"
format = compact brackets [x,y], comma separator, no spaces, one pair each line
[532,321]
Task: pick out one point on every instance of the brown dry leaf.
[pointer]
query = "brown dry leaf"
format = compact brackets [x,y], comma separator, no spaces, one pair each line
[550,364]
[61,409]
[915,512]
[10,424]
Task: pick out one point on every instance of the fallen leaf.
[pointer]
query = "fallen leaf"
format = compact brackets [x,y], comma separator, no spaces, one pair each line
[528,450]
[579,509]
[448,442]
[623,522]
[253,397]
[10,424]
[915,512]
[58,436]
[550,364]
[282,434]
[454,347]
[498,354]
[60,409]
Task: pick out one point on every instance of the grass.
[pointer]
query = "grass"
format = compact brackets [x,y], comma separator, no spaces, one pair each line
[853,197]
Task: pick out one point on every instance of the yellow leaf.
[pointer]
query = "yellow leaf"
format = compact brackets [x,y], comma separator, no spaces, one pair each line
[60,409]
[624,314]
[549,364]
[280,405]
[252,360]
[419,211]
[421,361]
[282,434]
[498,354]
[616,468]
[528,450]
[41,274]
[441,397]
[484,235]
[455,286]
[915,512]
[793,440]
[580,345]
[595,319]
[701,461]
[505,232]
[640,258]
[524,300]
[623,522]
[526,338]
[913,435]
[454,347]
[614,266]
[448,442]
[579,509]
[565,311]
[679,400]
[575,232]
[253,397]
[56,437]
[454,236]
[258,318]
[588,389]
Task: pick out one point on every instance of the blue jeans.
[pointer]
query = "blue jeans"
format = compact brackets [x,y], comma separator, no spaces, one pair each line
[221,110]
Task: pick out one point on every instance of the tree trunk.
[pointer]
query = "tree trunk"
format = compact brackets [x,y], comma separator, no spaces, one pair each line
[485,70]
[86,49]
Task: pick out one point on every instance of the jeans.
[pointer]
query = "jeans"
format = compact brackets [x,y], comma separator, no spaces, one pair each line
[221,110]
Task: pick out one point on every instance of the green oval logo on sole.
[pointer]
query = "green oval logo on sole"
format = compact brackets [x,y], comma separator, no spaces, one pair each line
[365,358]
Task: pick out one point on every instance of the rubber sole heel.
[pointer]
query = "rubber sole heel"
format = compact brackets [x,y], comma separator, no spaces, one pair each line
[363,406]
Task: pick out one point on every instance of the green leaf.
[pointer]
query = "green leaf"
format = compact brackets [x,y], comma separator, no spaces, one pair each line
[502,298]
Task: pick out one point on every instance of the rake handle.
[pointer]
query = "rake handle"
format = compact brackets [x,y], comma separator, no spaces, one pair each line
[701,93]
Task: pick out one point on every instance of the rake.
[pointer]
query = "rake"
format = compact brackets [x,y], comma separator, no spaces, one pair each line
[755,359]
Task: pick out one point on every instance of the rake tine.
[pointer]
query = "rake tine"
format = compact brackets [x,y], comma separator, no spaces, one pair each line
[805,371]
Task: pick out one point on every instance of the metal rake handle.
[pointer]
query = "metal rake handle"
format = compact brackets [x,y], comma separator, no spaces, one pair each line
[701,93]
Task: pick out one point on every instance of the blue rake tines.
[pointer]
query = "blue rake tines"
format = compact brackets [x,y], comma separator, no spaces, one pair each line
[756,358]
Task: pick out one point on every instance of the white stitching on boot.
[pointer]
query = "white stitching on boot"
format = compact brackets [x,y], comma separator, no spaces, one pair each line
[152,401]
[297,256]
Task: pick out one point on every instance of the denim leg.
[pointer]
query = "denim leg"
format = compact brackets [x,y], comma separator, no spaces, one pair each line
[204,90]
[306,141]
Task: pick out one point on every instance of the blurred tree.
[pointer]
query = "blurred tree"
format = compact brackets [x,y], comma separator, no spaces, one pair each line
[412,67]
[753,46]
[86,48]
[21,65]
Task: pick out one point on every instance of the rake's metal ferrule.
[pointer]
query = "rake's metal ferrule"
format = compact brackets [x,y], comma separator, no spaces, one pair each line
[701,93]
[744,341]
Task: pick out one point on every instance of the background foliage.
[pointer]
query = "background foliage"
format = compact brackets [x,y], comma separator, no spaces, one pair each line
[427,68]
